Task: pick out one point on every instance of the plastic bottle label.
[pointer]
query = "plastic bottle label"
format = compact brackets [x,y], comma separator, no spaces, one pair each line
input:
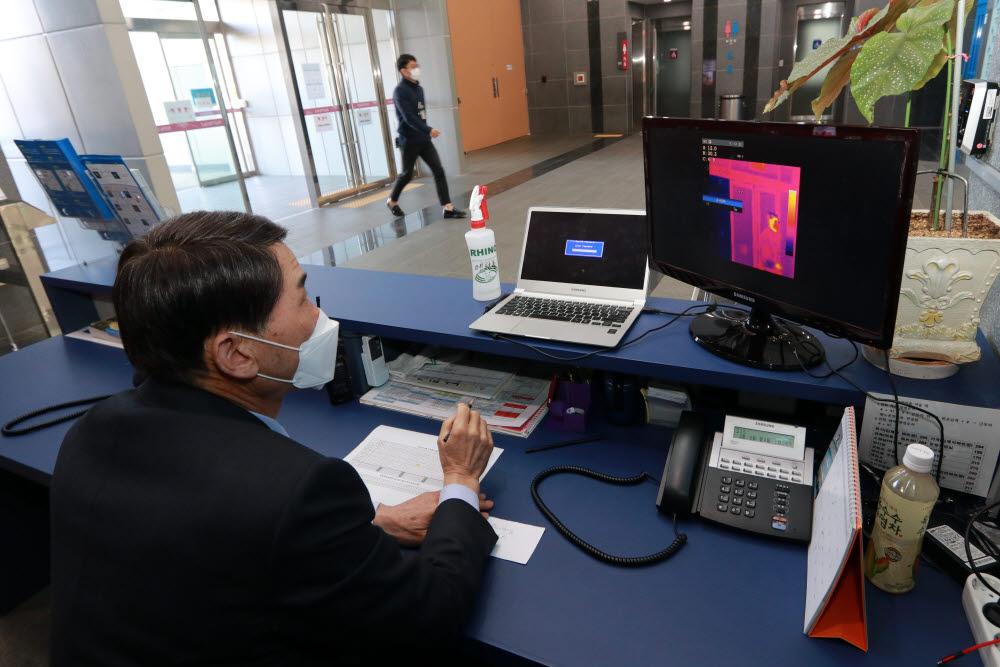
[485,271]
[894,549]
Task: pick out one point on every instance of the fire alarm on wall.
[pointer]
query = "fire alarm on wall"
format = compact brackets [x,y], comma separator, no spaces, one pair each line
[579,78]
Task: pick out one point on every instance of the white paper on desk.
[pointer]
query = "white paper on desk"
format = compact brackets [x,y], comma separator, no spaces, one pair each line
[517,541]
[397,465]
[970,442]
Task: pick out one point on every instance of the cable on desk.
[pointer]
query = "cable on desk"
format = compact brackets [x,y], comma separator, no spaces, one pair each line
[968,549]
[621,561]
[9,430]
[709,308]
[895,400]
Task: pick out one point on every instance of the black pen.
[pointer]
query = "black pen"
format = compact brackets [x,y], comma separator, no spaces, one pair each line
[580,441]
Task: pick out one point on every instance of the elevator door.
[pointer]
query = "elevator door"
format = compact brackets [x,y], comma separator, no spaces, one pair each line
[673,73]
[342,96]
[815,24]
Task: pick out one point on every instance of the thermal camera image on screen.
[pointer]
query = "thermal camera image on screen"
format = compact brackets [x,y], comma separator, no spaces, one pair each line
[757,207]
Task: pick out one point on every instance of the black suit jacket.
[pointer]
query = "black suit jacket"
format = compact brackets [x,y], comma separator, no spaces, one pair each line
[185,531]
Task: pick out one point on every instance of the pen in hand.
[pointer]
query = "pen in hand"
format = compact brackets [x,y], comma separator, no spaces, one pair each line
[446,435]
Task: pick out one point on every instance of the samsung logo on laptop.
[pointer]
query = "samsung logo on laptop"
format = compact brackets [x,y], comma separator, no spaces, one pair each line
[577,289]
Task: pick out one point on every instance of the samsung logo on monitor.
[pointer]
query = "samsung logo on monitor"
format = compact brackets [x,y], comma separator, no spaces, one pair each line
[744,297]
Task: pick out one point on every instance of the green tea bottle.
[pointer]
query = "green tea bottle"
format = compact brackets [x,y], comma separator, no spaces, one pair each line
[908,495]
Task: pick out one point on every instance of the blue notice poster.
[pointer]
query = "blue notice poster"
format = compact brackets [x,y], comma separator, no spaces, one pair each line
[64,178]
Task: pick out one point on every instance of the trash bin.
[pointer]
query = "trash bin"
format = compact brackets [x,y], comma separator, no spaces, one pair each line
[731,107]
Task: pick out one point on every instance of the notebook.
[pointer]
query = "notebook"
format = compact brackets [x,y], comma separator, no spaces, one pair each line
[835,587]
[583,278]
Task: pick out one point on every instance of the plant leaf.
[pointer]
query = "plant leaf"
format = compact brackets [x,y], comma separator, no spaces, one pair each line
[939,61]
[838,77]
[893,63]
[862,27]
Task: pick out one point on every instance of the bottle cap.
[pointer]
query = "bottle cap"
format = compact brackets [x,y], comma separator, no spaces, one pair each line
[478,224]
[918,458]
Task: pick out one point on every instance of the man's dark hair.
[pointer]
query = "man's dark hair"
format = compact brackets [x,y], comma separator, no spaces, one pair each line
[190,277]
[404,60]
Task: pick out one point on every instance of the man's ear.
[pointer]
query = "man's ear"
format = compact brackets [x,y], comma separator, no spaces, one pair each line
[232,355]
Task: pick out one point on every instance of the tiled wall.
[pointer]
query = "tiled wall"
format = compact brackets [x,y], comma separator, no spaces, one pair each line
[49,91]
[557,44]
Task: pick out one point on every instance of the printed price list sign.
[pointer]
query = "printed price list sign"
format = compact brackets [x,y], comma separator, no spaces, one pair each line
[970,441]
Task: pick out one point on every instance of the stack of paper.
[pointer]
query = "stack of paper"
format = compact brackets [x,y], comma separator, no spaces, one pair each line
[398,465]
[517,406]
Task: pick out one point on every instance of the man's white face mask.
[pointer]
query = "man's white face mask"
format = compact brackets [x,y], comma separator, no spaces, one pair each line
[415,74]
[317,355]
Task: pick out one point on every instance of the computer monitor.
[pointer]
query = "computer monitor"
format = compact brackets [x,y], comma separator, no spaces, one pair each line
[804,222]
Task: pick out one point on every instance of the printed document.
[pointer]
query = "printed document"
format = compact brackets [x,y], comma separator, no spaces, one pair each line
[970,443]
[397,465]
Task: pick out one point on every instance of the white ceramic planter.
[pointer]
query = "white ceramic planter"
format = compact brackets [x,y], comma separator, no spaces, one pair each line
[945,282]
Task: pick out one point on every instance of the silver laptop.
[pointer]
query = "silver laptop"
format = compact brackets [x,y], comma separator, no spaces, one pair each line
[583,279]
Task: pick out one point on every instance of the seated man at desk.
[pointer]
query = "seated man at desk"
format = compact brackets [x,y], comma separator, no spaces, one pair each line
[188,527]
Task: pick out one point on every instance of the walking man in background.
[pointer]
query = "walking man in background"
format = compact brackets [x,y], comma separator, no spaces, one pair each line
[415,138]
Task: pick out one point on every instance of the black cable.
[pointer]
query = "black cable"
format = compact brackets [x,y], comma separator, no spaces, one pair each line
[895,428]
[9,430]
[968,549]
[620,561]
[834,371]
[710,307]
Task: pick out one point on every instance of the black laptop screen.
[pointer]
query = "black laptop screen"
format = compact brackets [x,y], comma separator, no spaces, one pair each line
[586,248]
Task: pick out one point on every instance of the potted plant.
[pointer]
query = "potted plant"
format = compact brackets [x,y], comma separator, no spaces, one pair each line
[948,270]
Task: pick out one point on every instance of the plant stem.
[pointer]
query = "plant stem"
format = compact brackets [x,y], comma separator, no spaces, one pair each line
[935,211]
[909,103]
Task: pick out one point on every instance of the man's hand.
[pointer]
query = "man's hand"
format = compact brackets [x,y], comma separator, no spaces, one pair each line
[408,522]
[435,133]
[465,455]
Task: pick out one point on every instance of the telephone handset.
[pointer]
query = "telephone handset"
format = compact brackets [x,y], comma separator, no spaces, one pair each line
[755,476]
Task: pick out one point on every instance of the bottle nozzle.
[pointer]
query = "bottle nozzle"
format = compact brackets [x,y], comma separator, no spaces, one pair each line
[477,207]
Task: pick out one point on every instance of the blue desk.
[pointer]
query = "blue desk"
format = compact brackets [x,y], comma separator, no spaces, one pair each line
[726,598]
[429,309]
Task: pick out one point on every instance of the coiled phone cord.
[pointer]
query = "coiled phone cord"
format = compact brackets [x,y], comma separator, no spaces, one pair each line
[620,561]
[9,430]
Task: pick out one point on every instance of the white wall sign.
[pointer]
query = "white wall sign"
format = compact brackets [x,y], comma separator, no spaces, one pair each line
[179,111]
[312,77]
[364,116]
[324,122]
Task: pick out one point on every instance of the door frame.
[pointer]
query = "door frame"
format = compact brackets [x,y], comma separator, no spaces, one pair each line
[351,147]
[808,12]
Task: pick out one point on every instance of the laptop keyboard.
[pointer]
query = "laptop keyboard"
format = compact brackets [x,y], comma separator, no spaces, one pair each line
[567,311]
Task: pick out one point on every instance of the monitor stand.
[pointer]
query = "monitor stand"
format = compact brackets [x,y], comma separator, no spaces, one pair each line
[756,339]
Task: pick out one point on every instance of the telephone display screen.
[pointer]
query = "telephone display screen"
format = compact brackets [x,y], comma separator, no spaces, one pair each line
[769,437]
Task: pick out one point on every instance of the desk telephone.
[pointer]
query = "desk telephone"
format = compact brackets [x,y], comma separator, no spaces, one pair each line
[754,475]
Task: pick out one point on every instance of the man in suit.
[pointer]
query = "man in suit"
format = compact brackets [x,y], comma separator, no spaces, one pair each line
[188,528]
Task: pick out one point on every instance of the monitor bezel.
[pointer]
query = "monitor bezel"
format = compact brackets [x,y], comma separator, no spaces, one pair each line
[909,137]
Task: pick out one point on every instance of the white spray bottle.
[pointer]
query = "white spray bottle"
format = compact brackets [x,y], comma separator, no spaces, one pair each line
[482,249]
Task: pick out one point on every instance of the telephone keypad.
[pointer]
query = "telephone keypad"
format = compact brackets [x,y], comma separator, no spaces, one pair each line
[784,501]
